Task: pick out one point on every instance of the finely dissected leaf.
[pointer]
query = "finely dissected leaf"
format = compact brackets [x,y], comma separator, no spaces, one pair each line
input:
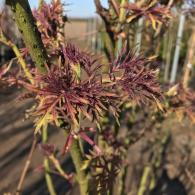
[98,125]
[82,100]
[159,105]
[85,164]
[77,69]
[106,170]
[41,122]
[5,68]
[45,118]
[137,82]
[173,90]
[153,21]
[152,11]
[86,114]
[152,57]
[130,18]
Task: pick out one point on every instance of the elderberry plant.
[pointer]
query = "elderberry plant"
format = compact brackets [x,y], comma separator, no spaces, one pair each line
[75,88]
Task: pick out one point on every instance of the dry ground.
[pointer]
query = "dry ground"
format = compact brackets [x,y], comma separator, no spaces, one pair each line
[16,137]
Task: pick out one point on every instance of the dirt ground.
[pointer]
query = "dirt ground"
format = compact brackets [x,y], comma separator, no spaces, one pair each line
[177,176]
[16,136]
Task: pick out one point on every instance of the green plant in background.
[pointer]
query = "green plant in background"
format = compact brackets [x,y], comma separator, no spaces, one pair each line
[121,18]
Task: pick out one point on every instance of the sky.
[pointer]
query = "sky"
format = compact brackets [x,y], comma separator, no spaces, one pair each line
[76,8]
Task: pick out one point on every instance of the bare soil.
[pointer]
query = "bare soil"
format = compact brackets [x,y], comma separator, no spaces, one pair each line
[176,177]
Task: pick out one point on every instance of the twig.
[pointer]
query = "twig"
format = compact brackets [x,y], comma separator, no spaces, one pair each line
[77,158]
[103,12]
[109,37]
[144,180]
[15,49]
[58,167]
[26,166]
[189,60]
[115,6]
[122,15]
[48,178]
[170,4]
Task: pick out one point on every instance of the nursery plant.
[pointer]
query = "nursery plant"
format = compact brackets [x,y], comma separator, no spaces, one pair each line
[88,98]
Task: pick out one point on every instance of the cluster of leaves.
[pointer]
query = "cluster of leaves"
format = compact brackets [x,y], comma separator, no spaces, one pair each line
[76,85]
[63,94]
[50,21]
[136,77]
[151,10]
[104,172]
[120,14]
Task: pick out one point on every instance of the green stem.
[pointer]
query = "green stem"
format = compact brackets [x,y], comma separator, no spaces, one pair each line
[77,159]
[144,180]
[21,60]
[182,20]
[169,51]
[27,27]
[22,63]
[122,178]
[138,37]
[48,178]
[121,21]
[122,11]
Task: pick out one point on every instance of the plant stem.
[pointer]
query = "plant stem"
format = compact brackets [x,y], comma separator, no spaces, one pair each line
[57,165]
[169,51]
[108,37]
[189,59]
[15,49]
[144,180]
[178,47]
[77,158]
[48,178]
[121,21]
[139,35]
[122,178]
[122,11]
[26,166]
[27,27]
[22,62]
